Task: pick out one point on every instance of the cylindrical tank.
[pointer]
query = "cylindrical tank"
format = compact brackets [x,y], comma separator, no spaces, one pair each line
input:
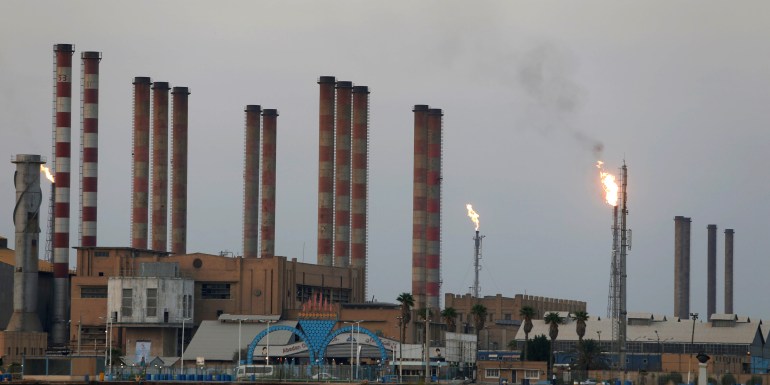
[159,166]
[62,164]
[342,129]
[326,170]
[141,165]
[179,171]
[89,140]
[269,141]
[251,182]
[419,203]
[359,179]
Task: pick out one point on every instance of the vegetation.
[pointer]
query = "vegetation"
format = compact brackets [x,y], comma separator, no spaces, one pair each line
[754,380]
[580,317]
[407,301]
[728,379]
[539,347]
[479,313]
[449,315]
[589,356]
[553,320]
[527,313]
[675,378]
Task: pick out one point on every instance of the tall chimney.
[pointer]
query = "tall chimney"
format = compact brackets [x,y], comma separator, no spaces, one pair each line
[89,141]
[251,183]
[419,204]
[179,171]
[680,270]
[686,269]
[269,139]
[729,271]
[61,238]
[326,170]
[359,180]
[342,175]
[26,218]
[711,287]
[141,165]
[159,166]
[433,224]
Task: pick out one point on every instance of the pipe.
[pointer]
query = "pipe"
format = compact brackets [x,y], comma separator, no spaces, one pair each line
[269,139]
[359,181]
[251,182]
[433,209]
[179,171]
[89,141]
[711,287]
[159,165]
[326,170]
[26,219]
[141,165]
[419,203]
[729,233]
[342,175]
[62,154]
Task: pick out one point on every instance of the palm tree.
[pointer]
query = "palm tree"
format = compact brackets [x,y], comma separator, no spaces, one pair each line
[590,356]
[553,320]
[407,301]
[479,312]
[527,312]
[449,315]
[580,317]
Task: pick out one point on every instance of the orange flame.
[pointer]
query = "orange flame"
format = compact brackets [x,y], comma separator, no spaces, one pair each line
[609,185]
[473,215]
[47,172]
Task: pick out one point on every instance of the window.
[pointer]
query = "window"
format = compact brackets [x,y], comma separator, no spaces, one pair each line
[93,292]
[532,374]
[152,302]
[507,316]
[215,291]
[492,373]
[101,253]
[186,305]
[127,303]
[491,317]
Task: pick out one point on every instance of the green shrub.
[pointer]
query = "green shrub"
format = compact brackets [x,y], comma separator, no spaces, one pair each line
[727,379]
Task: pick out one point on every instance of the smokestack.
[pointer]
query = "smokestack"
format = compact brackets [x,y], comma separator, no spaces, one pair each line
[61,238]
[251,183]
[711,289]
[141,166]
[419,203]
[729,271]
[326,170]
[89,141]
[159,165]
[433,224]
[342,175]
[359,180]
[682,267]
[269,139]
[179,171]
[26,219]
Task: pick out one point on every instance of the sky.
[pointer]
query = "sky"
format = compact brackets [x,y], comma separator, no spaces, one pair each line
[679,90]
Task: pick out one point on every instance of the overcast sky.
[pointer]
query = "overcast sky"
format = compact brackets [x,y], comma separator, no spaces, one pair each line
[679,89]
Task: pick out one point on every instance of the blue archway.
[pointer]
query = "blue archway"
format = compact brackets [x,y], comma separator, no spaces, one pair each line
[348,329]
[262,334]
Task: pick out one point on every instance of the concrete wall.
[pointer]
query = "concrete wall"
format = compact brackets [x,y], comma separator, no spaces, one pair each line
[170,294]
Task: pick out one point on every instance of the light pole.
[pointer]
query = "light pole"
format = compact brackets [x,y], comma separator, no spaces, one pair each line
[352,327]
[427,346]
[400,349]
[240,320]
[181,359]
[267,354]
[107,343]
[692,343]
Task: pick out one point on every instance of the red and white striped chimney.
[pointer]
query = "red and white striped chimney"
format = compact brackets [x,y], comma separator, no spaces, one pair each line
[251,182]
[179,171]
[269,141]
[342,175]
[359,179]
[159,166]
[62,156]
[326,170]
[419,194]
[89,141]
[433,224]
[141,167]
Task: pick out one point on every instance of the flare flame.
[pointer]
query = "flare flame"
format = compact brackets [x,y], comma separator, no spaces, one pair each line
[47,172]
[608,183]
[473,215]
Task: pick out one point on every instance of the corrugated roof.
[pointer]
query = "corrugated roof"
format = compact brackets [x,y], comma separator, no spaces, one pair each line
[8,257]
[218,341]
[724,317]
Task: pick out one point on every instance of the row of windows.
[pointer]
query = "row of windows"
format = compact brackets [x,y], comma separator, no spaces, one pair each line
[24,351]
[215,291]
[93,292]
[335,295]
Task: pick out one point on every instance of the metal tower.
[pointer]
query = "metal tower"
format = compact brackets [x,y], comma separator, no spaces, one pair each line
[621,243]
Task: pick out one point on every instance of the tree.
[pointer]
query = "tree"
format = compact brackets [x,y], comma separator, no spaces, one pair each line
[580,317]
[449,316]
[479,313]
[590,356]
[526,313]
[553,320]
[539,347]
[407,301]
